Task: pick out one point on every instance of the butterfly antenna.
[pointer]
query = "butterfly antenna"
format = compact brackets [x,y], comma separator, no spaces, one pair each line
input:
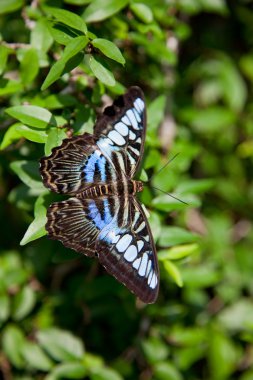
[163,167]
[172,196]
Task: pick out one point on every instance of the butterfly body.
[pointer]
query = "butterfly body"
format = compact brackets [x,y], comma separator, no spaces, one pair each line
[103,217]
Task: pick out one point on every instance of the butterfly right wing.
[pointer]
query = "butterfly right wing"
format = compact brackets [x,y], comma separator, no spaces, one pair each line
[126,249]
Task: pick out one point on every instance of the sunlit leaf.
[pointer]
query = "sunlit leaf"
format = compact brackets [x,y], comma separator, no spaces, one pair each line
[100,72]
[142,11]
[37,227]
[109,49]
[94,12]
[68,18]
[33,116]
[60,344]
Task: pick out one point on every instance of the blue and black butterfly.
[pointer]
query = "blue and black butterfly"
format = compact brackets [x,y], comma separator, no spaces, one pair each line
[104,218]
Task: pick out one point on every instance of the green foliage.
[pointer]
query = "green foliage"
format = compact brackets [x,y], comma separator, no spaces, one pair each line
[61,316]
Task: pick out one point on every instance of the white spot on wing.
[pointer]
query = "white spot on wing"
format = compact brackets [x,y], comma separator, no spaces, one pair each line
[132,136]
[116,137]
[137,115]
[132,118]
[136,263]
[104,142]
[124,242]
[150,276]
[132,160]
[138,140]
[141,226]
[140,104]
[134,150]
[131,253]
[140,244]
[125,120]
[143,266]
[112,237]
[136,217]
[153,282]
[148,267]
[121,128]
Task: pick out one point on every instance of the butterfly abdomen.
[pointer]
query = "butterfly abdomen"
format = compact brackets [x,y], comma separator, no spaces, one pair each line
[121,188]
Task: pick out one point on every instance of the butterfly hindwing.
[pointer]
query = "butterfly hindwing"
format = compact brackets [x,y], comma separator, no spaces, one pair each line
[67,221]
[78,222]
[128,253]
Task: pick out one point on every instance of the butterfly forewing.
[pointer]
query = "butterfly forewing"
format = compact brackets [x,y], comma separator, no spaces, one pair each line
[107,221]
[122,128]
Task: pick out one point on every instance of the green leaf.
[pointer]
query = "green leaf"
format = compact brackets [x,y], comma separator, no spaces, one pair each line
[94,12]
[72,48]
[28,172]
[78,2]
[109,49]
[8,87]
[36,357]
[11,135]
[179,252]
[142,11]
[13,341]
[60,33]
[68,18]
[7,6]
[73,370]
[223,356]
[23,303]
[210,120]
[102,373]
[237,316]
[54,74]
[235,90]
[37,227]
[166,371]
[55,137]
[169,203]
[31,134]
[174,235]
[77,44]
[29,66]
[200,277]
[41,38]
[4,52]
[60,344]
[101,73]
[173,272]
[33,116]
[155,349]
[194,186]
[4,307]
[12,273]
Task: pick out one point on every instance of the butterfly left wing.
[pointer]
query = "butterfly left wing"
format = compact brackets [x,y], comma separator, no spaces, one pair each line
[120,131]
[77,222]
[127,251]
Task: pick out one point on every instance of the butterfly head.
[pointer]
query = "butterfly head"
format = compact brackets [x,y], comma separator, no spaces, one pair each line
[138,186]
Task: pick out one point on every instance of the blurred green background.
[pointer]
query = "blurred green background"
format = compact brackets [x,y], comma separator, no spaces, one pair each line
[61,315]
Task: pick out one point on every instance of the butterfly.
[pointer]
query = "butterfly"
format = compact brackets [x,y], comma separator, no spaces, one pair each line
[103,217]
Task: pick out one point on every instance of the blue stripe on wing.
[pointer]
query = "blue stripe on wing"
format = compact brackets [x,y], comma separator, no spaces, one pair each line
[96,162]
[100,217]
